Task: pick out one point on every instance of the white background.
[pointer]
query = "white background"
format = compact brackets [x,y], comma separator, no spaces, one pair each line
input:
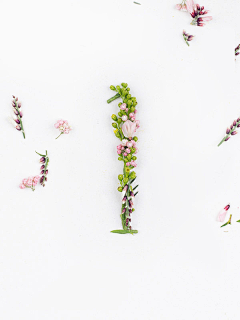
[58,259]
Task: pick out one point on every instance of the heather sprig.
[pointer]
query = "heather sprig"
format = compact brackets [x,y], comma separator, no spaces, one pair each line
[30,182]
[197,12]
[231,131]
[125,125]
[187,37]
[237,50]
[44,160]
[18,115]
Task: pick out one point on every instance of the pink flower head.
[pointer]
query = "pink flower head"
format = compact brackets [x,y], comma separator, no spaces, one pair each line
[119,147]
[124,118]
[24,181]
[125,154]
[128,164]
[119,151]
[63,126]
[133,163]
[181,6]
[128,128]
[129,144]
[124,142]
[131,114]
[22,186]
[222,213]
[29,182]
[123,106]
[128,150]
[190,6]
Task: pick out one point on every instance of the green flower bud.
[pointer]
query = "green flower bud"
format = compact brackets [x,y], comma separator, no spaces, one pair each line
[129,156]
[135,139]
[120,103]
[132,175]
[120,113]
[125,180]
[120,189]
[133,209]
[128,89]
[120,158]
[119,120]
[134,99]
[112,88]
[125,160]
[135,103]
[114,117]
[125,101]
[114,125]
[132,109]
[127,169]
[120,177]
[124,85]
[129,102]
[134,158]
[118,135]
[133,150]
[129,96]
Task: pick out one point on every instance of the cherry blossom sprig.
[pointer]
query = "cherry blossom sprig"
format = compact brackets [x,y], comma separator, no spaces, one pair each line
[187,37]
[30,182]
[17,115]
[44,160]
[125,125]
[231,131]
[196,11]
[63,127]
[237,50]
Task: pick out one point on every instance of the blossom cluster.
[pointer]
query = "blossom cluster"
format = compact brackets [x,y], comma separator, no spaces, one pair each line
[125,125]
[30,182]
[237,50]
[187,37]
[63,127]
[197,12]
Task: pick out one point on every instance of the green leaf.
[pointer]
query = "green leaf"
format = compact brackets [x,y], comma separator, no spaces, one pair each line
[135,194]
[238,221]
[42,155]
[224,224]
[124,231]
[135,187]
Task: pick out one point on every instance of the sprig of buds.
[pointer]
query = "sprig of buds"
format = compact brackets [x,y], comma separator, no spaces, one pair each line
[187,37]
[17,115]
[231,131]
[196,11]
[44,160]
[125,125]
[237,50]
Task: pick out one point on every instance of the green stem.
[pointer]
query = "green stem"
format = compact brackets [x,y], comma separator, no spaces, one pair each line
[59,135]
[124,231]
[113,98]
[229,133]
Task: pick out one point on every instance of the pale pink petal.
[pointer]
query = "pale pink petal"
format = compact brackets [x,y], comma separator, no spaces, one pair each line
[190,5]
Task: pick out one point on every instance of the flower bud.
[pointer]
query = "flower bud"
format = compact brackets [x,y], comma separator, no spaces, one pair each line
[120,158]
[21,114]
[233,133]
[19,105]
[120,189]
[135,139]
[112,88]
[134,158]
[42,160]
[125,180]
[234,123]
[120,177]
[124,85]
[227,139]
[114,117]
[227,131]
[132,175]
[18,127]
[120,113]
[133,150]
[114,125]
[119,120]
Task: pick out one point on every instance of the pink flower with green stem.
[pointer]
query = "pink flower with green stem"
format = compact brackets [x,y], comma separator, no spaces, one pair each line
[30,182]
[63,127]
[187,37]
[17,118]
[44,160]
[231,131]
[125,127]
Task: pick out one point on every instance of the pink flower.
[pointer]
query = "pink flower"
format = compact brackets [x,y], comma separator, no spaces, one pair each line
[128,128]
[119,147]
[205,19]
[124,142]
[125,154]
[128,164]
[222,213]
[133,163]
[124,118]
[181,6]
[63,127]
[119,151]
[133,118]
[22,186]
[123,106]
[24,181]
[131,114]
[190,6]
[128,150]
[130,144]
[29,182]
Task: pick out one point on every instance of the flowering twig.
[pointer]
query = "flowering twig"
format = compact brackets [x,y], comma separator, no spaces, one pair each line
[187,37]
[237,50]
[232,131]
[197,13]
[125,127]
[63,127]
[18,121]
[44,171]
[228,222]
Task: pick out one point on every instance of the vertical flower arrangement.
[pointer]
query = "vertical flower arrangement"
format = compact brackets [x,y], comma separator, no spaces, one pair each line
[44,160]
[16,105]
[125,126]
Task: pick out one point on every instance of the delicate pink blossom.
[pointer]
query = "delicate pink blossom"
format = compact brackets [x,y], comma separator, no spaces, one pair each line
[181,6]
[63,127]
[130,144]
[222,213]
[123,106]
[129,128]
[30,182]
[124,118]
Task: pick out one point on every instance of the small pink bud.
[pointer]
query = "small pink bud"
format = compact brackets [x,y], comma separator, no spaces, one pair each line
[125,154]
[227,131]
[128,150]
[124,118]
[119,152]
[233,133]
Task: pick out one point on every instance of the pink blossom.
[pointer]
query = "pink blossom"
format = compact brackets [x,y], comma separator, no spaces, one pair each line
[123,106]
[128,150]
[124,118]
[128,164]
[135,111]
[63,126]
[222,213]
[24,181]
[130,144]
[124,142]
[190,6]
[122,148]
[131,114]
[29,182]
[133,163]
[133,118]
[128,128]
[119,151]
[125,154]
[205,19]
[126,110]
[119,147]
[22,186]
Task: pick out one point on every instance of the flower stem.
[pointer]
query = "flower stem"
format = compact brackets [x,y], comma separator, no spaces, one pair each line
[19,118]
[59,135]
[124,231]
[113,98]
